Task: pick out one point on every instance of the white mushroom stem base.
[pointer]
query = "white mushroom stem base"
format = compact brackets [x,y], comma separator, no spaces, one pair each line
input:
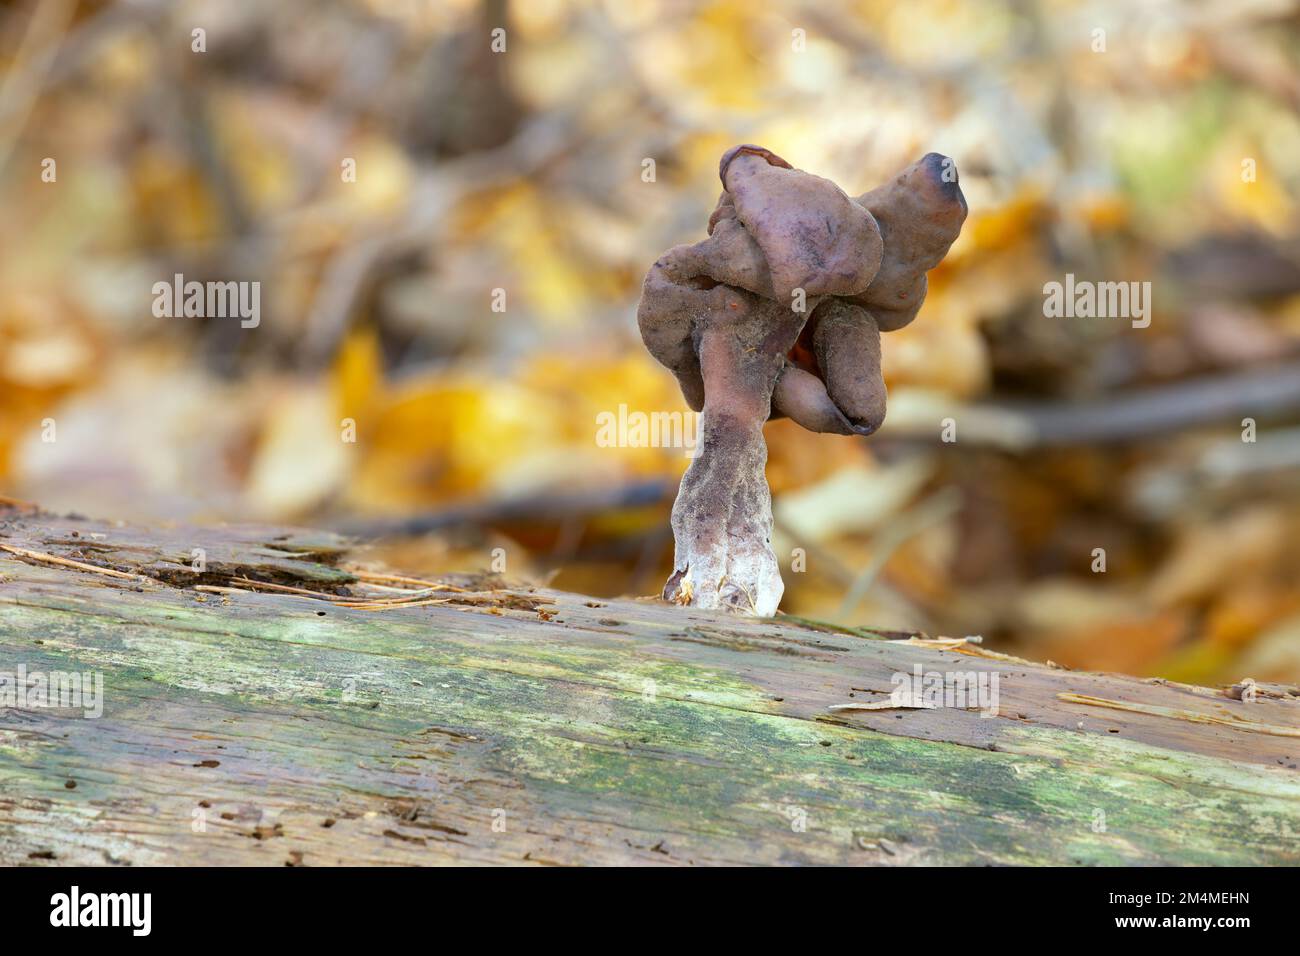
[722,522]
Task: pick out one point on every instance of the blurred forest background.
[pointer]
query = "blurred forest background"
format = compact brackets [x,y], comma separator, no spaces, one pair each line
[1155,141]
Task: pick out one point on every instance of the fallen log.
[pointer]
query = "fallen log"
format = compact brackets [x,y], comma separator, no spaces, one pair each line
[268,700]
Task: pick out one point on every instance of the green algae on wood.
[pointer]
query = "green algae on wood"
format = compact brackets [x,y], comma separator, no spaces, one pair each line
[253,728]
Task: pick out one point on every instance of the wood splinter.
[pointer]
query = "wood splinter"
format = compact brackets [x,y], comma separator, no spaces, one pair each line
[778,313]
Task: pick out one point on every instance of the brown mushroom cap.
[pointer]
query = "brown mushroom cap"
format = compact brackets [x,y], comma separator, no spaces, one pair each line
[920,213]
[860,263]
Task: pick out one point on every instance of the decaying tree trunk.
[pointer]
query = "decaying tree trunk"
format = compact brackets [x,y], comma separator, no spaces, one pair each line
[266,702]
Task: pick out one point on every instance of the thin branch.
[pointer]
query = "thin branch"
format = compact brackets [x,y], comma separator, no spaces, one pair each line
[1260,393]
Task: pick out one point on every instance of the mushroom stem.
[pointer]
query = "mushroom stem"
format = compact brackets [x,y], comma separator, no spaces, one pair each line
[722,522]
[722,519]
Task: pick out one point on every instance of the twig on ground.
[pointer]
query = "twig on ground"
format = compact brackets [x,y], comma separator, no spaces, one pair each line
[69,563]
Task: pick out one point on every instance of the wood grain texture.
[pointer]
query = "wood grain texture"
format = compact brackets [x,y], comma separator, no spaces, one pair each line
[518,725]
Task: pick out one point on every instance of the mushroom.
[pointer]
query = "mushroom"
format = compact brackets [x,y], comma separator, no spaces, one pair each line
[778,313]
